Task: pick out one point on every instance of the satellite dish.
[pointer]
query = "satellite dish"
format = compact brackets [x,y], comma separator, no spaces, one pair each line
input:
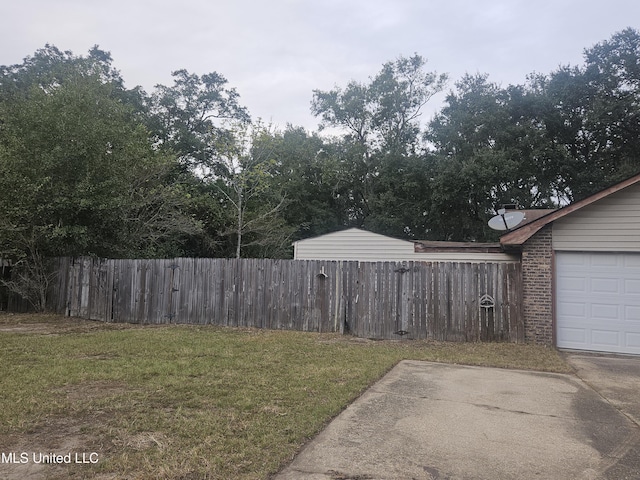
[506,220]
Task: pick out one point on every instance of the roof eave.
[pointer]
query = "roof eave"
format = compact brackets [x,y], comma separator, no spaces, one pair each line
[424,246]
[522,234]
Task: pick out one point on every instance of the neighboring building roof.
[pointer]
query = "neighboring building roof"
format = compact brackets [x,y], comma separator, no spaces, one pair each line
[525,231]
[428,246]
[353,244]
[424,246]
[360,245]
[351,232]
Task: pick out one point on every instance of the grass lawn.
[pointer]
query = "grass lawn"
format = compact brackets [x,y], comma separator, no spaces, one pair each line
[191,402]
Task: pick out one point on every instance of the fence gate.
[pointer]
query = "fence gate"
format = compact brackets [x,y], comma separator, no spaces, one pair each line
[448,301]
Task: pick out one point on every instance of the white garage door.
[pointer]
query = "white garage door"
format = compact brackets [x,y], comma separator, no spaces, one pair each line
[598,301]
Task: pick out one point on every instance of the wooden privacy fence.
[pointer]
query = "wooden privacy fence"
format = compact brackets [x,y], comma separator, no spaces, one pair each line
[384,300]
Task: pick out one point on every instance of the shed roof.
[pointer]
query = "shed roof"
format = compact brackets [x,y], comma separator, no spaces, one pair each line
[354,244]
[522,233]
[352,232]
[424,246]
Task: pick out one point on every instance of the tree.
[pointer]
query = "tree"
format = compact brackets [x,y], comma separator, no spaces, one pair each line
[383,115]
[193,119]
[306,172]
[241,174]
[596,114]
[379,155]
[490,151]
[78,172]
[187,118]
[554,140]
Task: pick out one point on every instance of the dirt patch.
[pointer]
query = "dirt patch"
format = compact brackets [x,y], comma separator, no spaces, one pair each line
[68,448]
[49,450]
[145,441]
[35,328]
[45,324]
[91,390]
[333,338]
[71,446]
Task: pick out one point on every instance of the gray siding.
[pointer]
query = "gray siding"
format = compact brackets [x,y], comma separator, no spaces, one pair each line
[611,224]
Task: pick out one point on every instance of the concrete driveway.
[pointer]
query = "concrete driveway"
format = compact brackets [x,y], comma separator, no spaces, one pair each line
[436,421]
[616,378]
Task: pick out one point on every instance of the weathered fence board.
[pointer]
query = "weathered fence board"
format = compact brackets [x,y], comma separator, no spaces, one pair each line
[384,300]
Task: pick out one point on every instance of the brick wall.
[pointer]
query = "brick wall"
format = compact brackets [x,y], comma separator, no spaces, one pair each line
[537,287]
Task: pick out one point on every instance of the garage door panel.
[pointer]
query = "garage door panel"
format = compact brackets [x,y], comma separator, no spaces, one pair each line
[603,261]
[598,301]
[572,260]
[632,286]
[632,313]
[572,309]
[604,312]
[605,338]
[575,336]
[604,285]
[631,261]
[572,284]
[632,340]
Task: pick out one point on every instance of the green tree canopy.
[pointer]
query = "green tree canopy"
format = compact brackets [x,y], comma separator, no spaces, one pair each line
[556,139]
[78,174]
[380,170]
[189,117]
[595,115]
[90,167]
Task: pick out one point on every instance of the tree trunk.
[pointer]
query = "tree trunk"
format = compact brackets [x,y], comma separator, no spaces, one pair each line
[240,226]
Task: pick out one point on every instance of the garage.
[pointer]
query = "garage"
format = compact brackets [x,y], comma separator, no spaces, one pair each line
[598,301]
[581,272]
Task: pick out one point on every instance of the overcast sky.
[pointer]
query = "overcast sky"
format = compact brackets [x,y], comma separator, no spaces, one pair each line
[276,52]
